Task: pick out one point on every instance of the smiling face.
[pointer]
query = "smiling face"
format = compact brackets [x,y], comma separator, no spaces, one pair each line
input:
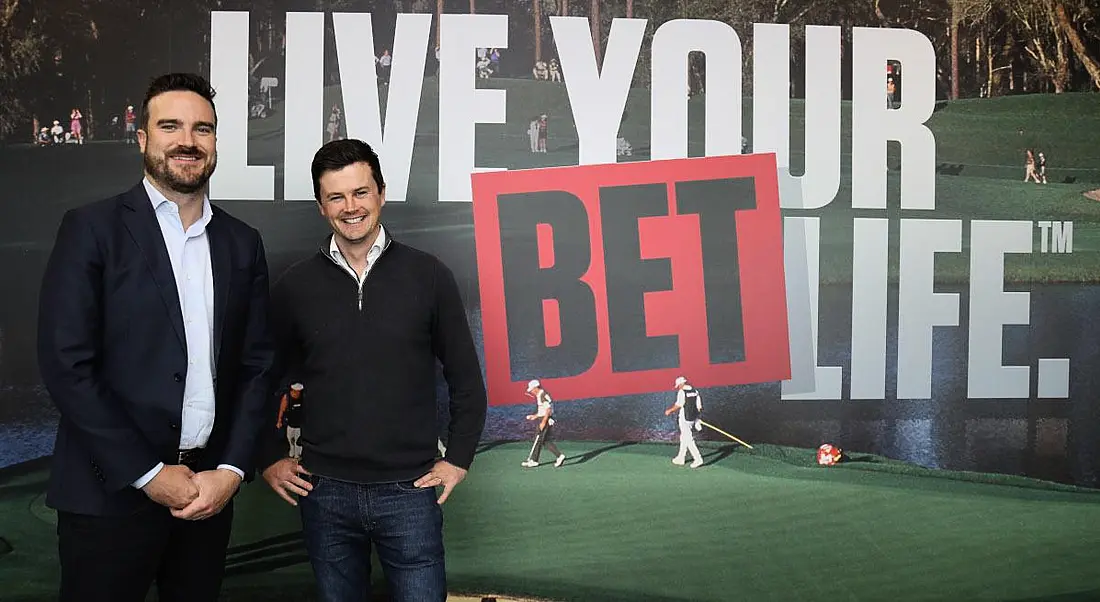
[179,142]
[351,201]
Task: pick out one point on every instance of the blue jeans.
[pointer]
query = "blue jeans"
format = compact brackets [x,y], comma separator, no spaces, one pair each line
[341,520]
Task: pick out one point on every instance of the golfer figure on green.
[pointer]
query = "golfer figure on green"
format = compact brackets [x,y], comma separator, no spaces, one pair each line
[544,413]
[690,405]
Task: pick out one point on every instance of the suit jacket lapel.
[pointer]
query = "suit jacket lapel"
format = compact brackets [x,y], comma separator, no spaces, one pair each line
[221,263]
[141,221]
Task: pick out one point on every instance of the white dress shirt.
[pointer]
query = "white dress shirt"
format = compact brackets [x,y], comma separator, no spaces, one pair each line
[189,252]
[372,255]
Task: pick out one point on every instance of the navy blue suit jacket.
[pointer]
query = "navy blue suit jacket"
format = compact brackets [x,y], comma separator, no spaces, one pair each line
[112,352]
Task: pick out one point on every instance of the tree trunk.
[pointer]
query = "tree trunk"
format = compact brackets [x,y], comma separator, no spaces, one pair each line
[990,71]
[1060,77]
[1078,45]
[537,6]
[439,23]
[1061,73]
[90,119]
[594,18]
[954,59]
[1049,67]
[978,59]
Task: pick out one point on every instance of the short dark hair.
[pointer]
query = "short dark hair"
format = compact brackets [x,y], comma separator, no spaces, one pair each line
[338,154]
[173,82]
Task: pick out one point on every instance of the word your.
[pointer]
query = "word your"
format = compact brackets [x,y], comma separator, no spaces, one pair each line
[597,97]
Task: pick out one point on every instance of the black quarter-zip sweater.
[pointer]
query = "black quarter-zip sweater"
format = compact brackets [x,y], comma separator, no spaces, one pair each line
[367,360]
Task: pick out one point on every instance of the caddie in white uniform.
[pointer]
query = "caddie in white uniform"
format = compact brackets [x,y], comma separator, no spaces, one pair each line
[690,406]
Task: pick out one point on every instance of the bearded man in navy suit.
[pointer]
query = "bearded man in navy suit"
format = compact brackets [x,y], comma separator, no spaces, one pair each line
[155,347]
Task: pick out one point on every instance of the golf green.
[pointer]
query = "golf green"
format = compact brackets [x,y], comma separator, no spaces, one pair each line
[619,521]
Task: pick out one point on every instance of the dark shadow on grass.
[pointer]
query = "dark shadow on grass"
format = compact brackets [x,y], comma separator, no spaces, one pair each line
[858,458]
[40,467]
[245,550]
[582,458]
[294,537]
[22,489]
[25,468]
[279,551]
[719,454]
[949,169]
[484,447]
[266,566]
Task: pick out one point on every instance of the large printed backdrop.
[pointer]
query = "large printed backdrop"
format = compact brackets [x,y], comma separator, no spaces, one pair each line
[936,306]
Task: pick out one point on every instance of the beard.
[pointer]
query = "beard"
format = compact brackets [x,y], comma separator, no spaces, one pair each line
[183,182]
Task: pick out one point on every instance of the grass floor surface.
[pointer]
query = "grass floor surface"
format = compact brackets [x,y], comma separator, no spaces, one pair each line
[620,522]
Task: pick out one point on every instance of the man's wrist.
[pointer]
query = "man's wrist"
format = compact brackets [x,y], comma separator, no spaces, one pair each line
[144,480]
[233,469]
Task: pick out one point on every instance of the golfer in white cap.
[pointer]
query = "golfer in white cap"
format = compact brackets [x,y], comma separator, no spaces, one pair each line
[690,406]
[546,426]
[290,413]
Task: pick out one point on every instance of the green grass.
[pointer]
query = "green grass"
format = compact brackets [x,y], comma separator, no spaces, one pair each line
[625,524]
[978,133]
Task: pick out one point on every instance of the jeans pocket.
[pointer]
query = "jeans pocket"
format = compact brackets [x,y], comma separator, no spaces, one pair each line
[410,487]
[315,481]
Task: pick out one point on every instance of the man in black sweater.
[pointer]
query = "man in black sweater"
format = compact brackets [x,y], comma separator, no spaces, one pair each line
[361,324]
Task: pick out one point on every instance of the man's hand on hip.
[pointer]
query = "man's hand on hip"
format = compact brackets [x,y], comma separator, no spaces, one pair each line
[216,487]
[172,487]
[283,478]
[442,474]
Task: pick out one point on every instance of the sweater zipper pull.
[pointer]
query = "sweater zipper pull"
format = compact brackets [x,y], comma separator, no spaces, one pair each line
[360,297]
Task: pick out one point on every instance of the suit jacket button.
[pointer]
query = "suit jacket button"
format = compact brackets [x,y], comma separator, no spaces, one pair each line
[176,377]
[175,426]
